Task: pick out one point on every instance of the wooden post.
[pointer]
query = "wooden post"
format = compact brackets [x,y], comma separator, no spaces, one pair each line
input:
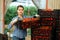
[3,12]
[46,4]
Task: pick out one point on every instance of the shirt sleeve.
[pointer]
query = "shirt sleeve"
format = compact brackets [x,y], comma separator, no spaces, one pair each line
[10,25]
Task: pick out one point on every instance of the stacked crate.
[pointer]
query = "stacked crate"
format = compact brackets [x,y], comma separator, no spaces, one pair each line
[57,12]
[47,26]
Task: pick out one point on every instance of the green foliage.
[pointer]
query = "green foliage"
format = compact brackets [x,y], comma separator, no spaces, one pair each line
[25,11]
[12,11]
[29,31]
[6,30]
[33,11]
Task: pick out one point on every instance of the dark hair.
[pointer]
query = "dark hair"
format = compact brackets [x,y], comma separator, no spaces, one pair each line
[20,6]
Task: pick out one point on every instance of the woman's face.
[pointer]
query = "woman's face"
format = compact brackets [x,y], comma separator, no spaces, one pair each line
[20,11]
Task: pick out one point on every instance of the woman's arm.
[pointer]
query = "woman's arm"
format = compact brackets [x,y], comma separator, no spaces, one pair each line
[14,20]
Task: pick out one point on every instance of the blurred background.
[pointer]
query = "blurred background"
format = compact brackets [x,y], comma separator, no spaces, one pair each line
[8,11]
